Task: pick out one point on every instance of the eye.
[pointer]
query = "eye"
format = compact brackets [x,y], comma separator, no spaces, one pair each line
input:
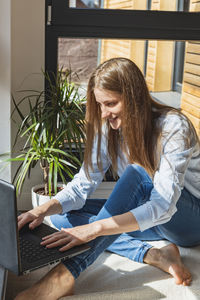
[111,104]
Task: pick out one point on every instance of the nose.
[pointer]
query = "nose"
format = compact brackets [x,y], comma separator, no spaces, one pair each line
[104,112]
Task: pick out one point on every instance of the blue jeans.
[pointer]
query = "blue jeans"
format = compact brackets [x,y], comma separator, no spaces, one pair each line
[131,190]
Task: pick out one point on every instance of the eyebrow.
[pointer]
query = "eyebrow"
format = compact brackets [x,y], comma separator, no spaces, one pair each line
[108,101]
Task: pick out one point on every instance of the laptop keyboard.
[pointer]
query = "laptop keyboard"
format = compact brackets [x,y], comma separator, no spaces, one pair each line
[31,251]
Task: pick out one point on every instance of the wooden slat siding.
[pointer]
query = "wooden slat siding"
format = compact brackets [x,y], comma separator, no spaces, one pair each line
[195,42]
[152,51]
[192,79]
[190,98]
[191,89]
[193,57]
[194,111]
[152,58]
[193,48]
[151,65]
[125,6]
[117,3]
[119,43]
[133,49]
[150,73]
[195,6]
[119,47]
[114,49]
[159,69]
[118,50]
[192,68]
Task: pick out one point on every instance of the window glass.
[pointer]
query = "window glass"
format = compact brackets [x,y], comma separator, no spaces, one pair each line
[162,62]
[79,55]
[171,68]
[181,5]
[85,3]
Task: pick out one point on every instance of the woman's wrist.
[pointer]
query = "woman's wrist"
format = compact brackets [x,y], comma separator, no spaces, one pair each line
[49,208]
[97,228]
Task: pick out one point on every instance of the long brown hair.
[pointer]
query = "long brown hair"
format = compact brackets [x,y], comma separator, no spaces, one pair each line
[138,132]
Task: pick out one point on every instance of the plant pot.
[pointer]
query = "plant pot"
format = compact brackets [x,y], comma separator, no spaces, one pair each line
[38,199]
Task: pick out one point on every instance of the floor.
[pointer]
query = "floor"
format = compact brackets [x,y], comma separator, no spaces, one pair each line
[113,277]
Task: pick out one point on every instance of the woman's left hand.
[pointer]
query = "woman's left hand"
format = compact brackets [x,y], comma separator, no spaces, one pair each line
[70,237]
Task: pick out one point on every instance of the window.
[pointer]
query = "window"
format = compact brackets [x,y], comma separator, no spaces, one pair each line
[62,21]
[86,3]
[155,28]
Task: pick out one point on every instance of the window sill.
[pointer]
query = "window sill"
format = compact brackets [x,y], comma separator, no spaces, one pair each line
[170,98]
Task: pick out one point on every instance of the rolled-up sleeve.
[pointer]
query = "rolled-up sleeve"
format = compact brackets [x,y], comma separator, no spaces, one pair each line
[74,195]
[178,143]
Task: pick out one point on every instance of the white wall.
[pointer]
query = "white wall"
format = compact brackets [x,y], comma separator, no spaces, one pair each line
[27,61]
[5,81]
[27,33]
[22,24]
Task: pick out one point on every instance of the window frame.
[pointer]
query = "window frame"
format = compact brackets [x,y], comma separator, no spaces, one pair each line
[62,21]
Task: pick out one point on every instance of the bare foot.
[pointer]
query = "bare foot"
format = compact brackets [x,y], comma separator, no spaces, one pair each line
[58,283]
[168,259]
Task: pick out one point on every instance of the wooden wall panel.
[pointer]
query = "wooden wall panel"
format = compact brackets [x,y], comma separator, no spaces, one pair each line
[194,5]
[125,4]
[190,97]
[114,48]
[160,55]
[133,49]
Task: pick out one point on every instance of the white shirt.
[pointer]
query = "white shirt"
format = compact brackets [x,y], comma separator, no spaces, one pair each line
[179,167]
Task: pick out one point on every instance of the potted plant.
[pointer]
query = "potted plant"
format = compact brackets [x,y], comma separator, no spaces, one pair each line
[52,132]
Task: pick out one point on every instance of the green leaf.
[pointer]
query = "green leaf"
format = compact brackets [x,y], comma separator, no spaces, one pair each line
[51,129]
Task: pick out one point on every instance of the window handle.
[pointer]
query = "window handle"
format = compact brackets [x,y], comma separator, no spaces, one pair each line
[49,10]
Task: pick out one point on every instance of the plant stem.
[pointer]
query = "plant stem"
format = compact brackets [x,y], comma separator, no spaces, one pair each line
[45,169]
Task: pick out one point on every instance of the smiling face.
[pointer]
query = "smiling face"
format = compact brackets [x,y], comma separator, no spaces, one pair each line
[111,106]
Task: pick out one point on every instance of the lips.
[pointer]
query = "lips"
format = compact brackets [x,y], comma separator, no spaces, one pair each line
[113,119]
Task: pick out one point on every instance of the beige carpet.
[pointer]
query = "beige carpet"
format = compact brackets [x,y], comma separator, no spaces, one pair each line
[112,277]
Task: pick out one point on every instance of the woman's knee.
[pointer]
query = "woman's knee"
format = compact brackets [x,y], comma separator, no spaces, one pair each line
[137,172]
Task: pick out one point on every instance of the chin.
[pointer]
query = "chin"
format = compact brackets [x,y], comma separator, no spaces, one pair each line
[115,127]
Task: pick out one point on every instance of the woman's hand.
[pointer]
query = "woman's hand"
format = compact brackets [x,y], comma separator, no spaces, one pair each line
[34,217]
[70,237]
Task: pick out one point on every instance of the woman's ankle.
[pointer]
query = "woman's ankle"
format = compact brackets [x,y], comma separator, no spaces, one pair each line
[151,256]
[59,282]
[64,280]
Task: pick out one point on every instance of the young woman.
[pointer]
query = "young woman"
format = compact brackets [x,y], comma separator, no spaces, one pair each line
[156,153]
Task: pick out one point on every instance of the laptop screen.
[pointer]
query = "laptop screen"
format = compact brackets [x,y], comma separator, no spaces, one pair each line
[8,227]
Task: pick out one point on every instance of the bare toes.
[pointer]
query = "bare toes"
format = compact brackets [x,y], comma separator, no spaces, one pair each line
[187,282]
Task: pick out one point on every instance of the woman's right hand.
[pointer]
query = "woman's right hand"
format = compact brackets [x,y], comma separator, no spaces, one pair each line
[34,217]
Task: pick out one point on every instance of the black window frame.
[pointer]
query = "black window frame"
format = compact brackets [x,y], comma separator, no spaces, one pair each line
[62,21]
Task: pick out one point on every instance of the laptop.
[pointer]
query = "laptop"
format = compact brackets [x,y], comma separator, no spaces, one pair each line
[20,251]
[3,281]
